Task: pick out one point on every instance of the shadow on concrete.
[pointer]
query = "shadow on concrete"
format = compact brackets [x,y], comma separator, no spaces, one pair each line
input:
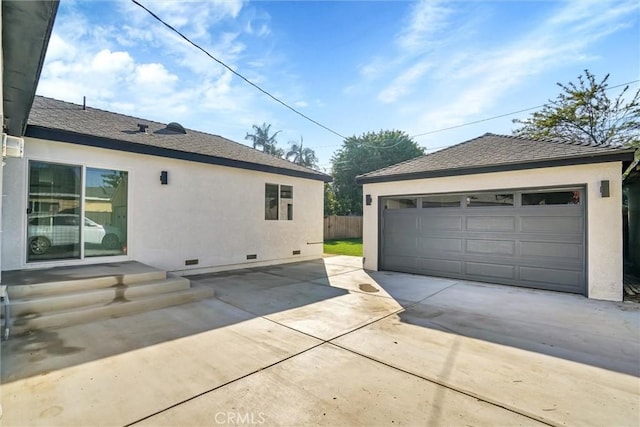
[240,296]
[599,333]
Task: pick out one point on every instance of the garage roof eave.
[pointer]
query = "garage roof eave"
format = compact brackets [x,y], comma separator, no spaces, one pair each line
[626,156]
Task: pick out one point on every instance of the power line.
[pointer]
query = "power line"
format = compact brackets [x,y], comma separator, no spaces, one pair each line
[504,115]
[235,72]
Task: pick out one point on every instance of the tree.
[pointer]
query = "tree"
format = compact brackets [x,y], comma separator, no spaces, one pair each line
[262,140]
[331,205]
[113,178]
[366,153]
[583,112]
[302,156]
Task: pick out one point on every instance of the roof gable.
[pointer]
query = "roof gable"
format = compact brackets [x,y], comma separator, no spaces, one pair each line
[67,122]
[493,153]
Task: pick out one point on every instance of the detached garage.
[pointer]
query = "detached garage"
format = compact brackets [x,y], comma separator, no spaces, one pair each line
[534,213]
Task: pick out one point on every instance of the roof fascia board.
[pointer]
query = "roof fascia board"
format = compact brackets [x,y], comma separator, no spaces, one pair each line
[26,30]
[625,156]
[132,147]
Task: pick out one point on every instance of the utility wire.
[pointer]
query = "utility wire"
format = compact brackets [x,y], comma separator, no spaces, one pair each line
[235,72]
[309,118]
[505,115]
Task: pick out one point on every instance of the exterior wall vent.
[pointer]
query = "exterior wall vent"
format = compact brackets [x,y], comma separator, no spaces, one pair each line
[253,256]
[296,252]
[176,127]
[191,262]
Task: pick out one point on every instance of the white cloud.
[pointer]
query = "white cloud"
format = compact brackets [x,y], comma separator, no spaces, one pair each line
[475,81]
[426,30]
[131,36]
[401,85]
[258,23]
[428,18]
[59,48]
[154,78]
[123,64]
[194,18]
[113,63]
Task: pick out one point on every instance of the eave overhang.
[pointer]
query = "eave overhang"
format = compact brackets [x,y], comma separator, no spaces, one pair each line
[625,156]
[131,147]
[26,29]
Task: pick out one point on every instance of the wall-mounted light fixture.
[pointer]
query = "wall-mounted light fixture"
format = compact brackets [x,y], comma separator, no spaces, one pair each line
[368,199]
[164,177]
[604,188]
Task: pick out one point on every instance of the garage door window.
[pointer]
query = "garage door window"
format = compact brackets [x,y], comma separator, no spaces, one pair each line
[551,198]
[490,199]
[401,203]
[441,201]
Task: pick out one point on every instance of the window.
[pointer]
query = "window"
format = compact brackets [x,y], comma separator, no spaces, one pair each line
[59,219]
[551,198]
[441,201]
[278,202]
[286,202]
[400,203]
[105,204]
[490,199]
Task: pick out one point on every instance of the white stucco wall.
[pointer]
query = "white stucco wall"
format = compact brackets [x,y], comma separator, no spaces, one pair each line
[211,213]
[604,215]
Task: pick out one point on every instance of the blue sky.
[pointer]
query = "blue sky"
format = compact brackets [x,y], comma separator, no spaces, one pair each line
[354,66]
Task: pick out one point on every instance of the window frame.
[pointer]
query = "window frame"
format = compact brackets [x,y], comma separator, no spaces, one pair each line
[283,212]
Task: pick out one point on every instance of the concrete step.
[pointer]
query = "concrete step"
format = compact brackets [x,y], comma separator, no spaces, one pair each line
[51,288]
[115,308]
[41,305]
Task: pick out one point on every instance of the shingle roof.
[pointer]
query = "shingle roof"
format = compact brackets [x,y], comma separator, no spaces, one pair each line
[63,121]
[492,153]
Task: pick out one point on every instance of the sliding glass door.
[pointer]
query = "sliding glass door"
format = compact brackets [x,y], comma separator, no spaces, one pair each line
[105,212]
[75,212]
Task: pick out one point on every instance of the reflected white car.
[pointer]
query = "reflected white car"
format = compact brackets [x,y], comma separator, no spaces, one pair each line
[47,230]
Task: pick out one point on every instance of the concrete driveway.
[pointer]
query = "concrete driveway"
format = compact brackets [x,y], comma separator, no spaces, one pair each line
[327,343]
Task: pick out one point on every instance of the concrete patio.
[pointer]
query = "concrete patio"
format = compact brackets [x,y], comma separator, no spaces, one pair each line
[324,342]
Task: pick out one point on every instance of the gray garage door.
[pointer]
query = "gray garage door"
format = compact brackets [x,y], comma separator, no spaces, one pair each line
[530,238]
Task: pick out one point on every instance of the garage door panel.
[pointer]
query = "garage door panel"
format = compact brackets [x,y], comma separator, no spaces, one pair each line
[567,278]
[491,223]
[400,263]
[441,223]
[490,271]
[576,239]
[394,222]
[438,246]
[491,247]
[561,250]
[401,244]
[552,224]
[439,266]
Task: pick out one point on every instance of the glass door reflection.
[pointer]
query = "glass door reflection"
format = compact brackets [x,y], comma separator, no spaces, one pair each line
[53,215]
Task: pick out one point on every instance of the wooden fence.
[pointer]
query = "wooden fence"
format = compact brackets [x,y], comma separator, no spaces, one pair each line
[342,227]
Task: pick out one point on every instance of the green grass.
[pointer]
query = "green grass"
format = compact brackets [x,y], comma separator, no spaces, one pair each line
[343,247]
